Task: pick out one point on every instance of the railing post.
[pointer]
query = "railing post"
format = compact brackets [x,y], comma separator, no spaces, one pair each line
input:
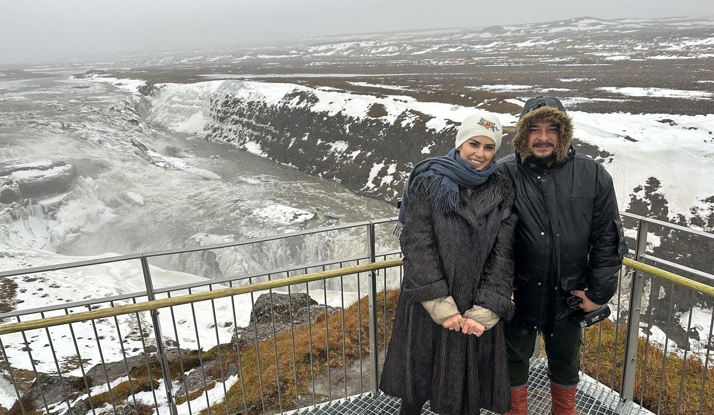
[373,325]
[159,339]
[629,365]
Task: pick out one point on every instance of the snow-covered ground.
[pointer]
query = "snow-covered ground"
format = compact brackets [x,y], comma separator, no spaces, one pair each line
[671,148]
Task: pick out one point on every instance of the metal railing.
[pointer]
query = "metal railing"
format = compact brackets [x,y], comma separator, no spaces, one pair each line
[642,342]
[156,364]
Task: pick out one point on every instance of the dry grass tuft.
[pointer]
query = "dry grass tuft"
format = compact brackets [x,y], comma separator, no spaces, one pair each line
[28,404]
[144,409]
[195,394]
[121,392]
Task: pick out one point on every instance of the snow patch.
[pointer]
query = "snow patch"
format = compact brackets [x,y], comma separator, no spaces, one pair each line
[658,92]
[502,87]
[254,148]
[283,215]
[373,174]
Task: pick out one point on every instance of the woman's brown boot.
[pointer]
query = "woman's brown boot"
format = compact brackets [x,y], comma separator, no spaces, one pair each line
[562,399]
[519,401]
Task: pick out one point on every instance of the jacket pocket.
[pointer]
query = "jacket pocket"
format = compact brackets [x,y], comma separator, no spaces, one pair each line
[572,282]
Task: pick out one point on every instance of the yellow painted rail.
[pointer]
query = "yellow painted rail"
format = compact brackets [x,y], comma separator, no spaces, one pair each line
[677,279]
[193,298]
[284,282]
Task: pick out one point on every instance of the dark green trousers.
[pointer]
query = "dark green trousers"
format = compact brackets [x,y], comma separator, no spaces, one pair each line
[562,348]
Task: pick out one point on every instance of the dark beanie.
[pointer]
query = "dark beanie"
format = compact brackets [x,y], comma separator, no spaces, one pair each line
[538,102]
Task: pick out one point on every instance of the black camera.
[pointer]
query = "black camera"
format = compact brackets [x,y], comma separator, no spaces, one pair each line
[587,319]
[574,302]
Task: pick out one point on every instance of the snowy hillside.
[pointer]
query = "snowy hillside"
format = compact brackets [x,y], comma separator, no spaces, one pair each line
[616,39]
[334,126]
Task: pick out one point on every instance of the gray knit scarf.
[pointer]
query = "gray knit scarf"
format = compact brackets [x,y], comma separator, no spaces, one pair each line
[445,174]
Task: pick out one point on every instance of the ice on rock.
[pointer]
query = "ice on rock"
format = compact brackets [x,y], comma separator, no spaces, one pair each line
[283,215]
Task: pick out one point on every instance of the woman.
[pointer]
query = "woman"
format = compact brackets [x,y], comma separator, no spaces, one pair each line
[456,228]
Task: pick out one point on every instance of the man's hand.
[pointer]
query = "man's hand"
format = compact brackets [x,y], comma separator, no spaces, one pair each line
[454,322]
[472,327]
[586,305]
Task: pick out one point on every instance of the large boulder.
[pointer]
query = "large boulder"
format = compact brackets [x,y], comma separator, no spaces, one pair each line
[34,180]
[10,193]
[280,305]
[272,317]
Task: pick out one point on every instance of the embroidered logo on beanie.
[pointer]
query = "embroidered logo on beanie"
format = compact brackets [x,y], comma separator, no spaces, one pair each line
[488,124]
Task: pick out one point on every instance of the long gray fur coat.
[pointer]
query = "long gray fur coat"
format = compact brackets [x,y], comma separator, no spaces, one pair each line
[467,254]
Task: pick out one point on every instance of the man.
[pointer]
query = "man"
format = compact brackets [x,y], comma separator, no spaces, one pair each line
[568,242]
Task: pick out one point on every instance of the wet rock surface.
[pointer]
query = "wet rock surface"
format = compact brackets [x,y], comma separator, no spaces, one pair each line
[20,180]
[269,318]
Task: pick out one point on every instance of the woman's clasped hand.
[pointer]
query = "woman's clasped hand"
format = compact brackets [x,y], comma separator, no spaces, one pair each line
[465,325]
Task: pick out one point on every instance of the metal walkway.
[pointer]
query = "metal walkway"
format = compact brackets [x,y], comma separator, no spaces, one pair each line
[592,398]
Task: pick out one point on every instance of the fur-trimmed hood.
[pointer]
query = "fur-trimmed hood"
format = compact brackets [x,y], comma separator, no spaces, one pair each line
[546,113]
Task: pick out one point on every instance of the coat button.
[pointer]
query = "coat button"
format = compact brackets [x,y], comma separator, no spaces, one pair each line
[538,283]
[557,235]
[538,177]
[542,233]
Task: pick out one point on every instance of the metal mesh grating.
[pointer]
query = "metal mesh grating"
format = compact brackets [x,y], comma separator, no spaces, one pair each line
[592,398]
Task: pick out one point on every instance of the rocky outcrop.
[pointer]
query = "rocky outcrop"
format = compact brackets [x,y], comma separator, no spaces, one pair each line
[370,155]
[279,314]
[178,152]
[10,193]
[370,152]
[34,180]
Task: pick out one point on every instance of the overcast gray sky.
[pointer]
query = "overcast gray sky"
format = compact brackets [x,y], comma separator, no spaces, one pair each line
[50,30]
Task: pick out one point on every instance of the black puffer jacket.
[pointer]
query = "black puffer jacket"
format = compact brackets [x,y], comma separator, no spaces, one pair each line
[569,236]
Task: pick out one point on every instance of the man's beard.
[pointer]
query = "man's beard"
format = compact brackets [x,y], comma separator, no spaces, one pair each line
[545,159]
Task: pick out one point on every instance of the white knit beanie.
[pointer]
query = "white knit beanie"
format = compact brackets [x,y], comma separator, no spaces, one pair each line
[480,123]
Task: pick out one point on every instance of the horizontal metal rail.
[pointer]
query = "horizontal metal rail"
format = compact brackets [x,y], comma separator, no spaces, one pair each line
[153,254]
[669,225]
[175,288]
[193,298]
[284,282]
[669,276]
[678,267]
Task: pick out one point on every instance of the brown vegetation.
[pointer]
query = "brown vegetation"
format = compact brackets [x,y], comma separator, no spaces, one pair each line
[28,405]
[8,290]
[308,361]
[653,391]
[188,361]
[122,392]
[195,394]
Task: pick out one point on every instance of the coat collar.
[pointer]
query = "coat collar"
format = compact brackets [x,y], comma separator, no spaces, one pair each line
[482,201]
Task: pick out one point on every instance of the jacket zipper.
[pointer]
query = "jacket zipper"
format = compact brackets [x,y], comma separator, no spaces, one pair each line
[555,247]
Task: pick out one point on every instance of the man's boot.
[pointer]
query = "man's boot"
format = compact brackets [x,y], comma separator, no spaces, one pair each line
[519,401]
[562,399]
